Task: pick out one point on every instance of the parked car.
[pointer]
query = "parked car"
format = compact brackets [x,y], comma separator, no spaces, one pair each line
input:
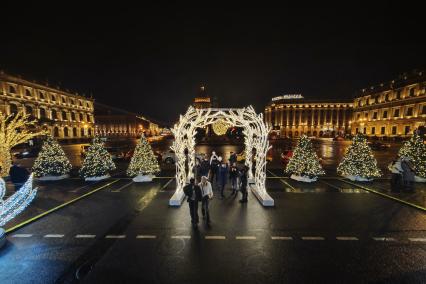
[377,146]
[169,157]
[27,153]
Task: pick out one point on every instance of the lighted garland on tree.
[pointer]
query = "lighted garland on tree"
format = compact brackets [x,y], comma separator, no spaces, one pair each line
[51,163]
[415,150]
[98,162]
[143,164]
[304,165]
[359,164]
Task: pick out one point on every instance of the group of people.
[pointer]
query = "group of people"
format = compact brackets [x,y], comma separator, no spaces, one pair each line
[403,174]
[210,174]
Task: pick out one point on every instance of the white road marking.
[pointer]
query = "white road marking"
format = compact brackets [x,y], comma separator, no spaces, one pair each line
[313,238]
[180,237]
[282,238]
[124,186]
[417,239]
[383,239]
[115,236]
[85,236]
[215,237]
[347,239]
[146,237]
[53,236]
[22,235]
[245,237]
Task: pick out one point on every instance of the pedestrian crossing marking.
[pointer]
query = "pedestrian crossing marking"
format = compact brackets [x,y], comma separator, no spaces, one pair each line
[53,236]
[245,237]
[282,238]
[383,239]
[85,236]
[22,235]
[215,237]
[180,237]
[146,237]
[417,239]
[313,238]
[115,236]
[347,238]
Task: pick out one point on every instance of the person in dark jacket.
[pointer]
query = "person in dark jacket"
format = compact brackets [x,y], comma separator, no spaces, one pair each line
[194,195]
[408,173]
[18,175]
[244,182]
[233,176]
[213,170]
[232,158]
[204,168]
[222,175]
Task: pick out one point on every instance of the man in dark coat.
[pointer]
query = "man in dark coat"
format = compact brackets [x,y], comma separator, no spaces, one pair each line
[204,168]
[244,182]
[18,176]
[193,193]
[222,175]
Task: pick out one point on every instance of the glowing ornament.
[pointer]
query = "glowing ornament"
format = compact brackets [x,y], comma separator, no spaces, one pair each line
[220,127]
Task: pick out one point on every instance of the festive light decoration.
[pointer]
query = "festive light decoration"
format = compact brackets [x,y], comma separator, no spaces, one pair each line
[14,130]
[16,203]
[359,162]
[98,162]
[220,127]
[51,160]
[254,130]
[415,150]
[304,165]
[143,161]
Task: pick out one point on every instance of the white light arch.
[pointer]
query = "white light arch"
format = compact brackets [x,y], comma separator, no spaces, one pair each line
[256,137]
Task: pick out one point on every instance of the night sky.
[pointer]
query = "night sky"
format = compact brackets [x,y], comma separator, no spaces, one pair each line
[152,59]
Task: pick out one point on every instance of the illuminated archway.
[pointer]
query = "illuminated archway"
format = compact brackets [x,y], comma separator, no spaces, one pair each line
[256,137]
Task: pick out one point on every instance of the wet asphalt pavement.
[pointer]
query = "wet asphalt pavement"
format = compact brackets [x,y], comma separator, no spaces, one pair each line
[329,231]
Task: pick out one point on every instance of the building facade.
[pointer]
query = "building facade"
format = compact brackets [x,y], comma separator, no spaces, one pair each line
[396,108]
[292,115]
[64,115]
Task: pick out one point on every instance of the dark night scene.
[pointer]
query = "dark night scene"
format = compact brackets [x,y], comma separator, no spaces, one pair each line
[213,142]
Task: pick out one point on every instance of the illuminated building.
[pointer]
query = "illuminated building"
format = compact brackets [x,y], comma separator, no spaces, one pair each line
[292,115]
[64,115]
[203,100]
[395,108]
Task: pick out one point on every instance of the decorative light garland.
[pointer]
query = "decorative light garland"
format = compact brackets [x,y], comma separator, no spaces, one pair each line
[16,203]
[415,150]
[143,160]
[220,127]
[51,160]
[98,162]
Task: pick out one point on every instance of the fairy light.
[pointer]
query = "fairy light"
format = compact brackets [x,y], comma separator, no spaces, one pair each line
[220,127]
[16,203]
[98,162]
[51,160]
[359,162]
[304,164]
[415,150]
[143,161]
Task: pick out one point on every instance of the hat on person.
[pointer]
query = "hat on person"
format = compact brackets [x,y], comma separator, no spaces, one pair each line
[220,159]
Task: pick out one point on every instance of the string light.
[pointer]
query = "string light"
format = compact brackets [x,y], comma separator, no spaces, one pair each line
[16,203]
[143,161]
[51,160]
[304,165]
[220,127]
[98,162]
[359,162]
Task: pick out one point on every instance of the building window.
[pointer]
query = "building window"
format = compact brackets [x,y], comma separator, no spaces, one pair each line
[409,111]
[393,130]
[64,115]
[398,94]
[42,113]
[382,130]
[64,100]
[55,132]
[387,98]
[424,109]
[41,95]
[65,131]
[365,130]
[54,114]
[376,99]
[73,116]
[385,114]
[13,109]
[28,110]
[356,130]
[27,93]
[412,90]
[53,98]
[358,116]
[12,90]
[407,129]
[396,113]
[373,130]
[81,117]
[375,115]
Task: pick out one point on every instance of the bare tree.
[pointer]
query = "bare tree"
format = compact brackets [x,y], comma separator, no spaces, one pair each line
[14,130]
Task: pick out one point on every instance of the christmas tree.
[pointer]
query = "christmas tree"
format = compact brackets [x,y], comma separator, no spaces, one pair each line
[359,162]
[143,161]
[304,165]
[51,160]
[98,162]
[415,150]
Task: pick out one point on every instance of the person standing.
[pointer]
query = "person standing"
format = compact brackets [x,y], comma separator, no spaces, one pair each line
[18,175]
[193,193]
[204,167]
[396,170]
[232,158]
[408,173]
[244,182]
[207,194]
[233,176]
[222,174]
[214,163]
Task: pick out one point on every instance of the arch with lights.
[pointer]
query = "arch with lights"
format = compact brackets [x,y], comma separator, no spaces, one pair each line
[256,137]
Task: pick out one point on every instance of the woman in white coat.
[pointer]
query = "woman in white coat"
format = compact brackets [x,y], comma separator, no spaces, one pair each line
[207,193]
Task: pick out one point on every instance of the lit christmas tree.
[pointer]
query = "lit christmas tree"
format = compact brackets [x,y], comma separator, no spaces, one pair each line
[97,163]
[143,163]
[415,150]
[359,163]
[304,165]
[51,163]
